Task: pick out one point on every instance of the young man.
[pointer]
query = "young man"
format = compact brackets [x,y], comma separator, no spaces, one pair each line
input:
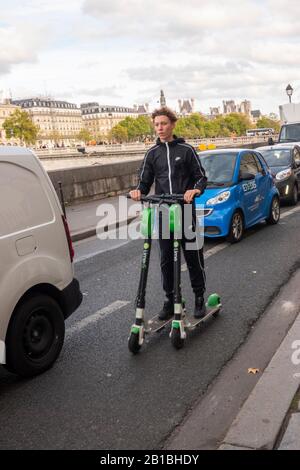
[176,169]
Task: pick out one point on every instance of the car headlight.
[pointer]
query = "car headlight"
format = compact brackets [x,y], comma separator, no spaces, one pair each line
[283,175]
[222,197]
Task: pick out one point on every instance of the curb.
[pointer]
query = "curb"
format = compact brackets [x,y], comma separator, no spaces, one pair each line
[91,232]
[260,419]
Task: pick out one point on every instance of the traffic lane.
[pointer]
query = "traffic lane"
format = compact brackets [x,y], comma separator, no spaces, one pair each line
[90,247]
[100,396]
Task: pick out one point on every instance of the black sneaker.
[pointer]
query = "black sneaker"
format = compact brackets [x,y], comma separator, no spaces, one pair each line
[200,309]
[167,310]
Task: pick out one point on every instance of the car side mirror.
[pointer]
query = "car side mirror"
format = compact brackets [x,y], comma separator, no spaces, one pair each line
[271,141]
[244,175]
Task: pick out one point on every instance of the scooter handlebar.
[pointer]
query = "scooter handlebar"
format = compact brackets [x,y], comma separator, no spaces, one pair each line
[160,198]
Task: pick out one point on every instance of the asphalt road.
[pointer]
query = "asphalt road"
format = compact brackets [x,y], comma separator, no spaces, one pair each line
[98,395]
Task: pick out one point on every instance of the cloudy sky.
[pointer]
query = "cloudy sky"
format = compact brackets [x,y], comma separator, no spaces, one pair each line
[125,51]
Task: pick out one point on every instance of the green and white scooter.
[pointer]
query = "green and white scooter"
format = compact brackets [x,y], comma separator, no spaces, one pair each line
[182,321]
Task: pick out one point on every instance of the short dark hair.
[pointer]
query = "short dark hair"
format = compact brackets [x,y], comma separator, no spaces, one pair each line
[164,111]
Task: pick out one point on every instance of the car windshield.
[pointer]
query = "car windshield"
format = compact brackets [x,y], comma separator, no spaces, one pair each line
[277,157]
[219,167]
[290,133]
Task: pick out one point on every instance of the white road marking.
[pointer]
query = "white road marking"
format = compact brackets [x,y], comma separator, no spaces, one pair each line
[208,253]
[215,250]
[292,211]
[104,312]
[222,246]
[99,315]
[98,252]
[98,246]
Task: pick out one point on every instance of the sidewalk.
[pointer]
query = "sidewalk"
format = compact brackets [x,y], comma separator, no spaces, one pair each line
[85,223]
[270,417]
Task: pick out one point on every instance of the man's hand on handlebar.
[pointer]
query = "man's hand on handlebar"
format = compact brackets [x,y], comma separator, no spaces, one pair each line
[135,194]
[190,194]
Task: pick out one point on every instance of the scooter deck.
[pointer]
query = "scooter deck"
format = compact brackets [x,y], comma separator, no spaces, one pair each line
[155,324]
[191,322]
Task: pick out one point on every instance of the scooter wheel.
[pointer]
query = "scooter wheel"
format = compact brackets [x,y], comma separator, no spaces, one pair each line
[133,343]
[176,339]
[213,300]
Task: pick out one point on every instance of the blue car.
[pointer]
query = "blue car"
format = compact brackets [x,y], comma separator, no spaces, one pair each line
[240,193]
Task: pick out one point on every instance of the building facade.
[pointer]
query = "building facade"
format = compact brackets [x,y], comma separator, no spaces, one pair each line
[100,119]
[231,107]
[256,115]
[245,107]
[6,109]
[162,99]
[215,111]
[186,107]
[59,121]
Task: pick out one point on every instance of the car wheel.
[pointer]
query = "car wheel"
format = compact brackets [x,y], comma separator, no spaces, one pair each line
[236,229]
[274,214]
[35,336]
[294,197]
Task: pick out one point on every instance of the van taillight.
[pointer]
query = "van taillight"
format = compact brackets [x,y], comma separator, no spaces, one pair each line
[68,235]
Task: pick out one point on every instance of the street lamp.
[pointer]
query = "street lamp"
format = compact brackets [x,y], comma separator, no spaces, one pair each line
[289,91]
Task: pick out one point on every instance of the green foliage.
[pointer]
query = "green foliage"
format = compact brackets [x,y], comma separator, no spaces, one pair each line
[119,133]
[139,128]
[84,135]
[20,126]
[195,126]
[267,122]
[237,123]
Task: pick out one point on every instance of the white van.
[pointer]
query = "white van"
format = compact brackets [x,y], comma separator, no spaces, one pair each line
[38,290]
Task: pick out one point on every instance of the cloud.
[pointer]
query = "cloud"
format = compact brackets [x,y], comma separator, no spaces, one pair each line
[22,44]
[228,79]
[124,51]
[126,17]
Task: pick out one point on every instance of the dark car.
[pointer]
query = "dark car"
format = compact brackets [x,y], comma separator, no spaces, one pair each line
[284,163]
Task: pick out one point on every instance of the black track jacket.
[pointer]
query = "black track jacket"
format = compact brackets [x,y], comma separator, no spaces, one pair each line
[174,166]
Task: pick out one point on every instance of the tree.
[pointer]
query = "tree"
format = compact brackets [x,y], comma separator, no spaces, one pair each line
[20,126]
[130,129]
[119,133]
[55,135]
[84,135]
[237,123]
[268,123]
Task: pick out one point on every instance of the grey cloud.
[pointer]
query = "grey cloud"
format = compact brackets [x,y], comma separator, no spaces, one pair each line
[7,63]
[21,45]
[187,73]
[214,80]
[169,19]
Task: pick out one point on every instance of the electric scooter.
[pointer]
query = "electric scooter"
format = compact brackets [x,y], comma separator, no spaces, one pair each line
[181,321]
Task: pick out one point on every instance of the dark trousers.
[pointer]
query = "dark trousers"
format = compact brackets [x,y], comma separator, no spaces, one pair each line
[194,260]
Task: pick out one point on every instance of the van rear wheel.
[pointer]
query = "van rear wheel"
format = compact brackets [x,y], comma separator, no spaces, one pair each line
[35,336]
